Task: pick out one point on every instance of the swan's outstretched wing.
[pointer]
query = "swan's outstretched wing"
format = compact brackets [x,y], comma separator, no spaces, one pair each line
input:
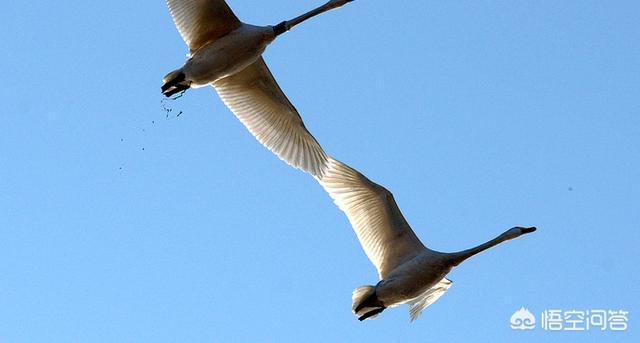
[201,21]
[427,298]
[383,232]
[256,99]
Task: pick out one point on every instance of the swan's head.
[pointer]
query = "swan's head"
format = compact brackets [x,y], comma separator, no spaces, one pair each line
[517,232]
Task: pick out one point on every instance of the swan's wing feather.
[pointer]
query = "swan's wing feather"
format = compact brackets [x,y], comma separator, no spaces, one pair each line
[383,232]
[256,99]
[418,304]
[201,21]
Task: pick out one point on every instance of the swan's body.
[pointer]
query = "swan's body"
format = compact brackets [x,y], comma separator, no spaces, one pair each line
[409,272]
[226,53]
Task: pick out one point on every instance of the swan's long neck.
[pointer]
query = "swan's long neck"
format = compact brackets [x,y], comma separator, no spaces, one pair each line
[288,24]
[515,232]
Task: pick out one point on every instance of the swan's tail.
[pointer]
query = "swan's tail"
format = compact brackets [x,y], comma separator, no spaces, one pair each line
[365,303]
[174,83]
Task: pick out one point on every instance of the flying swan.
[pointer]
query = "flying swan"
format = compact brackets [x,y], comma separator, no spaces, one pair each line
[226,53]
[409,272]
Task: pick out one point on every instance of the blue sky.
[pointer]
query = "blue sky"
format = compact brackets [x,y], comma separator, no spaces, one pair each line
[120,223]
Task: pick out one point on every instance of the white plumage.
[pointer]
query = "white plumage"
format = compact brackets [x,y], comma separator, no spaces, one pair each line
[227,54]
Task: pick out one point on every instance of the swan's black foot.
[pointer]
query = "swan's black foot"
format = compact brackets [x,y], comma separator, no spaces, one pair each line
[371,314]
[174,89]
[176,84]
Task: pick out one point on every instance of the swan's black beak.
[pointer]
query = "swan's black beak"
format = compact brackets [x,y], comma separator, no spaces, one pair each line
[528,229]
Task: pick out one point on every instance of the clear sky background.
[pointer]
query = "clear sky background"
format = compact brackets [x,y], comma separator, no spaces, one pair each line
[122,223]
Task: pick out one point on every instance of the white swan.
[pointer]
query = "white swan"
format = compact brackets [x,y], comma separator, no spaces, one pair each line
[226,53]
[409,272]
